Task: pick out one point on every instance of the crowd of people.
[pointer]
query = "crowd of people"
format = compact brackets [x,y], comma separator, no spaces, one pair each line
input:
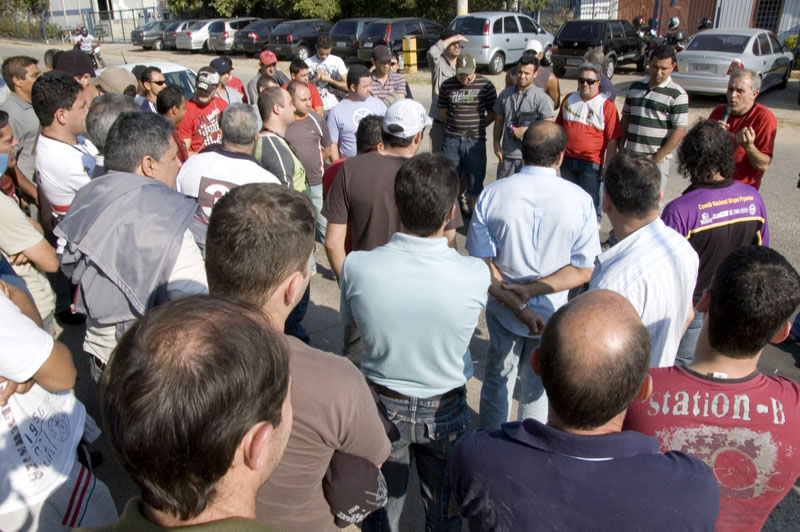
[182,231]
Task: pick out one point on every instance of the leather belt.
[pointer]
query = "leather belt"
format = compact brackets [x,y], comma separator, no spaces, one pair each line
[387,392]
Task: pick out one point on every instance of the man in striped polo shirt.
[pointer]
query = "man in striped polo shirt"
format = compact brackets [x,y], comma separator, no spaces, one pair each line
[656,112]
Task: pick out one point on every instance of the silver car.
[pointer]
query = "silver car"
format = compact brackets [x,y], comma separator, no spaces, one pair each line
[498,38]
[196,36]
[706,64]
[222,41]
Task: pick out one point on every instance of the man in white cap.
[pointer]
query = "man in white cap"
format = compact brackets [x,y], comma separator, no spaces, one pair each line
[200,125]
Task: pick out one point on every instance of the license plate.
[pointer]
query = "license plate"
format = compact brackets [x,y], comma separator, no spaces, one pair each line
[574,62]
[341,44]
[239,46]
[702,67]
[368,44]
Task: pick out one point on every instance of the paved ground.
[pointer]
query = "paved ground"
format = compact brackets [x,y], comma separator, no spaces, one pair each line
[322,321]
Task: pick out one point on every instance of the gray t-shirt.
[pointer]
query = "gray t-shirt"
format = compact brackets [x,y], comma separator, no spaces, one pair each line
[25,126]
[521,109]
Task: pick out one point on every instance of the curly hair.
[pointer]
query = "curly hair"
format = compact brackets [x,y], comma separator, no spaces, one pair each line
[706,150]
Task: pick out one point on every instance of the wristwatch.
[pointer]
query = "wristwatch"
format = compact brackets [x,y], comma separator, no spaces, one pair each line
[520,308]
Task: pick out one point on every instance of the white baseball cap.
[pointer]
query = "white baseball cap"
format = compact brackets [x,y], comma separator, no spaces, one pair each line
[405,118]
[534,45]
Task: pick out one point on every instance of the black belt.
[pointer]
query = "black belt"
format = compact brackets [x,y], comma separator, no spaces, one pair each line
[388,392]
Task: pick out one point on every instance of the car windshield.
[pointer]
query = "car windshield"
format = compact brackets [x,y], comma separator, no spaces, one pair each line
[580,31]
[734,44]
[183,79]
[469,25]
[149,26]
[374,30]
[173,26]
[197,25]
[345,27]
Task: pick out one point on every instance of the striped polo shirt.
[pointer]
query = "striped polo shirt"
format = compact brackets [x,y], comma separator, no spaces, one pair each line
[467,106]
[653,113]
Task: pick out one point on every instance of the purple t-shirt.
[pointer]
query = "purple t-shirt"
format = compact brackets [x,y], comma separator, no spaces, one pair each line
[343,121]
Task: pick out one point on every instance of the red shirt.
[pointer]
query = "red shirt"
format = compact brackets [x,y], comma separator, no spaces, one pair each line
[765,125]
[316,99]
[236,83]
[590,125]
[746,430]
[183,153]
[201,124]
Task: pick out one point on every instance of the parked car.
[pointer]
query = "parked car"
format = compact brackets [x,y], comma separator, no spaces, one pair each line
[498,38]
[390,31]
[346,35]
[222,41]
[174,74]
[253,38]
[196,36]
[169,35]
[620,42]
[707,62]
[150,35]
[297,38]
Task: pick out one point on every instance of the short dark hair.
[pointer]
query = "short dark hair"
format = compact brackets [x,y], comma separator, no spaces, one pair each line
[425,188]
[369,133]
[632,182]
[324,42]
[393,141]
[267,99]
[183,386]
[706,149]
[542,143]
[16,67]
[297,65]
[355,74]
[258,234]
[584,388]
[50,56]
[3,119]
[170,97]
[265,80]
[529,59]
[103,112]
[147,73]
[663,51]
[134,135]
[294,85]
[753,293]
[53,91]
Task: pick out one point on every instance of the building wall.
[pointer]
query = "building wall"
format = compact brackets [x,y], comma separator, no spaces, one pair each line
[688,11]
[598,9]
[790,20]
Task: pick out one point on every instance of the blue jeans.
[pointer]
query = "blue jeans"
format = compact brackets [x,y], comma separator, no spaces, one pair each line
[469,155]
[689,341]
[321,222]
[509,167]
[586,175]
[293,325]
[509,354]
[428,430]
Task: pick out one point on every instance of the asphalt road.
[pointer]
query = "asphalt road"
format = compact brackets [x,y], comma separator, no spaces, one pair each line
[778,189]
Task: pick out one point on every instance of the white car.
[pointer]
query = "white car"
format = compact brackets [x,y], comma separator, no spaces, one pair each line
[174,74]
[705,65]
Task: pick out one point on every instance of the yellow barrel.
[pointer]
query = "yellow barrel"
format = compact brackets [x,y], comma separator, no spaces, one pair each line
[410,53]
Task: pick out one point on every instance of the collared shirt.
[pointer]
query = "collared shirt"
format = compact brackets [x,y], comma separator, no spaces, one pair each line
[590,125]
[765,125]
[416,302]
[395,84]
[653,113]
[655,269]
[25,126]
[521,109]
[531,225]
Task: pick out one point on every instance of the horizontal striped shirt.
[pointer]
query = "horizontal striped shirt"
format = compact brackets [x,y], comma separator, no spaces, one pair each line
[467,106]
[653,113]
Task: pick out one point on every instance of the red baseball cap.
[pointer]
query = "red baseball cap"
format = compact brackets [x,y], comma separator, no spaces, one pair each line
[267,58]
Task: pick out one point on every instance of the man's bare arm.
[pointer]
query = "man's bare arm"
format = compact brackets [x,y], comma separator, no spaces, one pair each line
[497,136]
[25,184]
[335,236]
[566,278]
[334,154]
[746,139]
[623,124]
[670,144]
[528,316]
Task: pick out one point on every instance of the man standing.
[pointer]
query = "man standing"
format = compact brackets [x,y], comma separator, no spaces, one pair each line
[466,103]
[103,112]
[199,127]
[260,240]
[518,107]
[656,112]
[530,275]
[652,266]
[596,57]
[309,138]
[226,353]
[328,73]
[545,79]
[581,471]
[19,73]
[387,86]
[267,66]
[153,81]
[344,118]
[224,67]
[752,125]
[171,103]
[442,62]
[299,71]
[720,408]
[593,130]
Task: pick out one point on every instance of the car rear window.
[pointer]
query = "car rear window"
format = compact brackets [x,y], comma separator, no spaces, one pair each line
[283,28]
[197,25]
[150,25]
[173,26]
[345,27]
[719,43]
[469,25]
[581,31]
[374,30]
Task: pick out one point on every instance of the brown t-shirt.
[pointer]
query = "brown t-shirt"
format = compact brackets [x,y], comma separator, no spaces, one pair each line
[333,411]
[307,137]
[362,195]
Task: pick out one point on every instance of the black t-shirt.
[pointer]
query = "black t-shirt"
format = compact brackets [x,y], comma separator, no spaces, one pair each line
[467,106]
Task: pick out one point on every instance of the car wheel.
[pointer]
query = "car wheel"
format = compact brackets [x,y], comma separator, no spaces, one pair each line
[205,48]
[641,64]
[158,45]
[302,53]
[609,67]
[785,81]
[559,71]
[496,63]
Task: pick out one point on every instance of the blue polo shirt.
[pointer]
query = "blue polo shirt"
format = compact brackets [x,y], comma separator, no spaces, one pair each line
[416,302]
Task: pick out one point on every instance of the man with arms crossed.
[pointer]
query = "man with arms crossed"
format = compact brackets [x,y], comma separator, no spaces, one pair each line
[344,118]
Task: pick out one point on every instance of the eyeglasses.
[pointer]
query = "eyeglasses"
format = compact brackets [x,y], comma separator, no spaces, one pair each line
[160,82]
[588,81]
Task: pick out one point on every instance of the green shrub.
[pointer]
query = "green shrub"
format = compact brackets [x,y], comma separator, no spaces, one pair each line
[24,28]
[791,43]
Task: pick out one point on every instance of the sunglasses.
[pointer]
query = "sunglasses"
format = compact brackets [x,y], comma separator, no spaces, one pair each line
[162,82]
[588,81]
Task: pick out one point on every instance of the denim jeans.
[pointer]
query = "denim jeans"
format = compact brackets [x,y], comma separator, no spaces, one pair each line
[509,167]
[469,156]
[509,354]
[321,222]
[689,341]
[586,175]
[428,431]
[293,325]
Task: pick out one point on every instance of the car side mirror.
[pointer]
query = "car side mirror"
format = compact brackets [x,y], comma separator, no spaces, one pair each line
[785,48]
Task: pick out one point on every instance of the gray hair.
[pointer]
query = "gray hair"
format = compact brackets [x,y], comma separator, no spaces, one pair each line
[755,79]
[595,56]
[135,135]
[591,67]
[102,113]
[239,124]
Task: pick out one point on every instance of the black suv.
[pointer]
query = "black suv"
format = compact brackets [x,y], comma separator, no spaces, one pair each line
[617,38]
[297,38]
[346,34]
[390,31]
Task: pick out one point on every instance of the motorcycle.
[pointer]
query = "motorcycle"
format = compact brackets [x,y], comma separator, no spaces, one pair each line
[97,59]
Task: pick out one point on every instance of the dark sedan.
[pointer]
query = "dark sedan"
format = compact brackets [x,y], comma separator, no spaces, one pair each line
[346,35]
[390,31]
[253,38]
[149,35]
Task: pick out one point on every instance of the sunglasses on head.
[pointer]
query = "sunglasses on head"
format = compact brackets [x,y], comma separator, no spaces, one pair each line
[588,81]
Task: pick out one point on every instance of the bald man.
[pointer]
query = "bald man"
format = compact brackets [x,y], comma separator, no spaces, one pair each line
[580,471]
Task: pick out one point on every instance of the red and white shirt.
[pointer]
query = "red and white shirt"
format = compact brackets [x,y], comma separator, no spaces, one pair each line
[590,125]
[201,124]
[63,169]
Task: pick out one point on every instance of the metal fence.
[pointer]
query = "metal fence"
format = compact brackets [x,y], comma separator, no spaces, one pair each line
[557,13]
